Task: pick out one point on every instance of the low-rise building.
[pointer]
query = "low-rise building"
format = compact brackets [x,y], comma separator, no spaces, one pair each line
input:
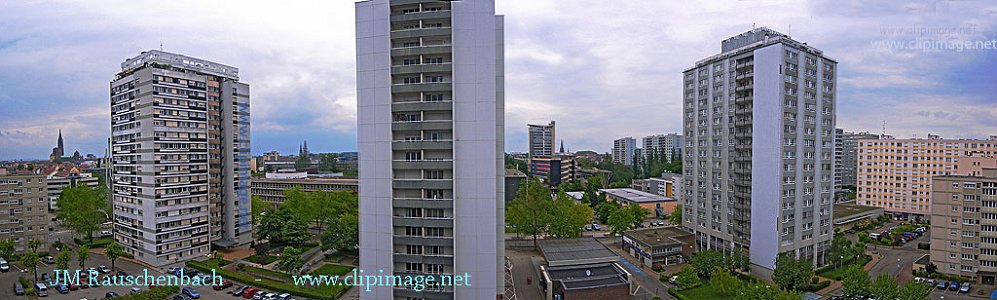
[23,209]
[513,178]
[582,268]
[659,246]
[61,179]
[554,170]
[272,189]
[847,214]
[657,205]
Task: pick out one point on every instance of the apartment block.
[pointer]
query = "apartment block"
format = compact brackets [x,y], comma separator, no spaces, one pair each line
[430,95]
[541,139]
[895,174]
[624,150]
[180,157]
[57,181]
[272,189]
[23,209]
[759,134]
[845,156]
[964,224]
[667,146]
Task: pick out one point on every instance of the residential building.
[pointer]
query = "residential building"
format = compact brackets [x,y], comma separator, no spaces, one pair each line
[556,169]
[272,189]
[513,179]
[759,137]
[656,205]
[61,179]
[964,225]
[180,157]
[659,246]
[845,158]
[668,185]
[895,174]
[582,268]
[541,140]
[430,95]
[23,209]
[624,150]
[667,146]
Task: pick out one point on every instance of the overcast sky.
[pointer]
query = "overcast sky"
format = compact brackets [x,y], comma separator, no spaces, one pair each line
[601,69]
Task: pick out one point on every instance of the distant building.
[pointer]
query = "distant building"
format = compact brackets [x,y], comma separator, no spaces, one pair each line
[847,214]
[895,174]
[657,205]
[541,139]
[58,151]
[624,150]
[964,224]
[582,268]
[845,156]
[513,179]
[272,189]
[669,185]
[23,209]
[659,246]
[555,170]
[667,146]
[63,177]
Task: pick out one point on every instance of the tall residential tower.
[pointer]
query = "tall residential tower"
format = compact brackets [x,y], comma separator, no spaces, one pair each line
[431,136]
[758,162]
[180,157]
[624,150]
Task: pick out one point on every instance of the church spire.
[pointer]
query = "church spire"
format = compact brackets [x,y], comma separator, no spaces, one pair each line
[562,146]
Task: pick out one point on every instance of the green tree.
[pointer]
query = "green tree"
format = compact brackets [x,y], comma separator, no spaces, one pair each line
[737,260]
[530,210]
[725,283]
[327,162]
[113,252]
[791,273]
[687,278]
[290,260]
[81,254]
[568,217]
[706,261]
[7,248]
[302,162]
[258,208]
[914,291]
[272,224]
[343,234]
[294,233]
[604,210]
[30,260]
[83,209]
[840,247]
[931,268]
[884,286]
[626,217]
[34,244]
[855,280]
[62,261]
[676,217]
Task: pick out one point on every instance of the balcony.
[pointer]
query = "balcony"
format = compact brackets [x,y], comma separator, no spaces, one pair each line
[425,241]
[421,50]
[421,164]
[421,68]
[422,15]
[422,106]
[422,125]
[421,87]
[421,32]
[422,222]
[423,203]
[422,145]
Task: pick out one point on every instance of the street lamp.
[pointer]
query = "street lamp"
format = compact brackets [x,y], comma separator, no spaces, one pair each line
[841,261]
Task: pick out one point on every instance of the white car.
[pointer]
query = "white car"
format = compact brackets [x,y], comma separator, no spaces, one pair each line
[673,279]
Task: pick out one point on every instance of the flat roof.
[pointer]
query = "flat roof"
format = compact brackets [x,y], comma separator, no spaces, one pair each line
[577,249]
[341,180]
[658,236]
[587,276]
[514,173]
[845,209]
[636,196]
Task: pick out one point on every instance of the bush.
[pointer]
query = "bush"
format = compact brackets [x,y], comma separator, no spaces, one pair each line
[262,259]
[96,243]
[676,294]
[924,246]
[818,285]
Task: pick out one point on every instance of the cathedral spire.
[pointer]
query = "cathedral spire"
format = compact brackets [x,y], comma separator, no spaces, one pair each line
[562,146]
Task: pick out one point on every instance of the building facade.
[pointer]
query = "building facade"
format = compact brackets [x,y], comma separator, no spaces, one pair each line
[964,225]
[180,157]
[430,94]
[272,189]
[541,140]
[667,146]
[895,174]
[759,136]
[624,150]
[58,181]
[23,210]
[845,156]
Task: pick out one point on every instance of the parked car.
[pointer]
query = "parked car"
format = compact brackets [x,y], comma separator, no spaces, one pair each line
[259,295]
[931,282]
[110,295]
[673,279]
[105,233]
[46,278]
[18,289]
[136,290]
[965,288]
[588,228]
[225,284]
[62,288]
[41,290]
[73,287]
[269,296]
[596,226]
[920,230]
[284,296]
[4,267]
[103,269]
[48,260]
[641,225]
[92,270]
[190,292]
[238,291]
[942,285]
[180,297]
[954,286]
[248,293]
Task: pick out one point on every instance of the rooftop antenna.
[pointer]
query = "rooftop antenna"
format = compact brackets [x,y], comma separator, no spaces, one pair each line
[884,127]
[790,29]
[160,45]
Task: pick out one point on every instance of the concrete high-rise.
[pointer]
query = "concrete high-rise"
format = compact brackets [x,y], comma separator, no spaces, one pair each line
[759,137]
[964,221]
[624,150]
[845,158]
[542,140]
[23,210]
[667,146]
[430,90]
[895,174]
[180,157]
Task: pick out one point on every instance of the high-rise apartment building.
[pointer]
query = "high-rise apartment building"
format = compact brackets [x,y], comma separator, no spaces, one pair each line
[667,146]
[541,155]
[759,136]
[964,222]
[180,157]
[624,150]
[430,90]
[845,158]
[23,210]
[895,174]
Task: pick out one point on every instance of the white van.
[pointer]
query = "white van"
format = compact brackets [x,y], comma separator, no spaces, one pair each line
[41,289]
[874,235]
[4,267]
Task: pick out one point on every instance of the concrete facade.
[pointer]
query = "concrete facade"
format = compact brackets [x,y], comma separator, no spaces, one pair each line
[964,225]
[624,150]
[23,210]
[846,156]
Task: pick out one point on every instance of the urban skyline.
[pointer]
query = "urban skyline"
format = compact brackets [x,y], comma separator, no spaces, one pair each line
[873,87]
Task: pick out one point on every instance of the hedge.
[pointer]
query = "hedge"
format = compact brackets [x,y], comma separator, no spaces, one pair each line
[268,284]
[158,293]
[676,295]
[96,243]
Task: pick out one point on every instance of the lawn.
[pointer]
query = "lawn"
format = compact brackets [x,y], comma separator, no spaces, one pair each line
[264,272]
[332,269]
[216,263]
[262,259]
[838,272]
[706,291]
